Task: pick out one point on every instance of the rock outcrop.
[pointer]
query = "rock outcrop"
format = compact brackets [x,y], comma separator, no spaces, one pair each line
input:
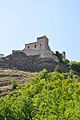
[19,60]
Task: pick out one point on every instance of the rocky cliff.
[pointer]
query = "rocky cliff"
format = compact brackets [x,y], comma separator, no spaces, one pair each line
[19,60]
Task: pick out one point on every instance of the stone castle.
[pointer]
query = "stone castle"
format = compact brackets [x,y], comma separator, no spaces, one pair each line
[41,48]
[35,57]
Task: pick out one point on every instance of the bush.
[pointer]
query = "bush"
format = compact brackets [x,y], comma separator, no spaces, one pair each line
[75,66]
[14,84]
[49,96]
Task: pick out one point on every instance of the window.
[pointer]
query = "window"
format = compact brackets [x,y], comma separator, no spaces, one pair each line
[40,46]
[28,47]
[35,46]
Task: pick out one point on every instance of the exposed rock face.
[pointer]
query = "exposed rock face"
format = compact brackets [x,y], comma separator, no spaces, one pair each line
[21,61]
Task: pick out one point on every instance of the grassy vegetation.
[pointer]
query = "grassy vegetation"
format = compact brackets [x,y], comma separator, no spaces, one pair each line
[48,96]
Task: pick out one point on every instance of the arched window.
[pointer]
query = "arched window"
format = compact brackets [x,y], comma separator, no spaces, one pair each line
[40,44]
[28,47]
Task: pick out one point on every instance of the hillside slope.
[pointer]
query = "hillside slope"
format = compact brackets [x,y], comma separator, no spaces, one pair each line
[49,96]
[10,77]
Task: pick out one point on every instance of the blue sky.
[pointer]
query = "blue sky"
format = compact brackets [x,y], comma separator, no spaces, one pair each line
[22,21]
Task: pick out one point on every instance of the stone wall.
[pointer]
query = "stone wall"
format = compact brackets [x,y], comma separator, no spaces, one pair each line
[42,54]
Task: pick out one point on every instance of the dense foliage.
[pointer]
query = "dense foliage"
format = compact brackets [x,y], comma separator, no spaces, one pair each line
[75,66]
[49,96]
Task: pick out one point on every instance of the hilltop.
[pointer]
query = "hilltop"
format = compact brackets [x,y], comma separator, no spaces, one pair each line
[20,61]
[35,57]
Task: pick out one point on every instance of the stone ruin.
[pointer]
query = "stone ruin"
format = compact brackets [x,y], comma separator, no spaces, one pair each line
[34,57]
[41,48]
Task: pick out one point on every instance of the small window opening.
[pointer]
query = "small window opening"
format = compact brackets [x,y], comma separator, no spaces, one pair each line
[35,46]
[28,47]
[40,46]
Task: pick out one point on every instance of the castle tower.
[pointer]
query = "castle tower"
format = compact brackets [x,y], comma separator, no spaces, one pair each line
[41,44]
